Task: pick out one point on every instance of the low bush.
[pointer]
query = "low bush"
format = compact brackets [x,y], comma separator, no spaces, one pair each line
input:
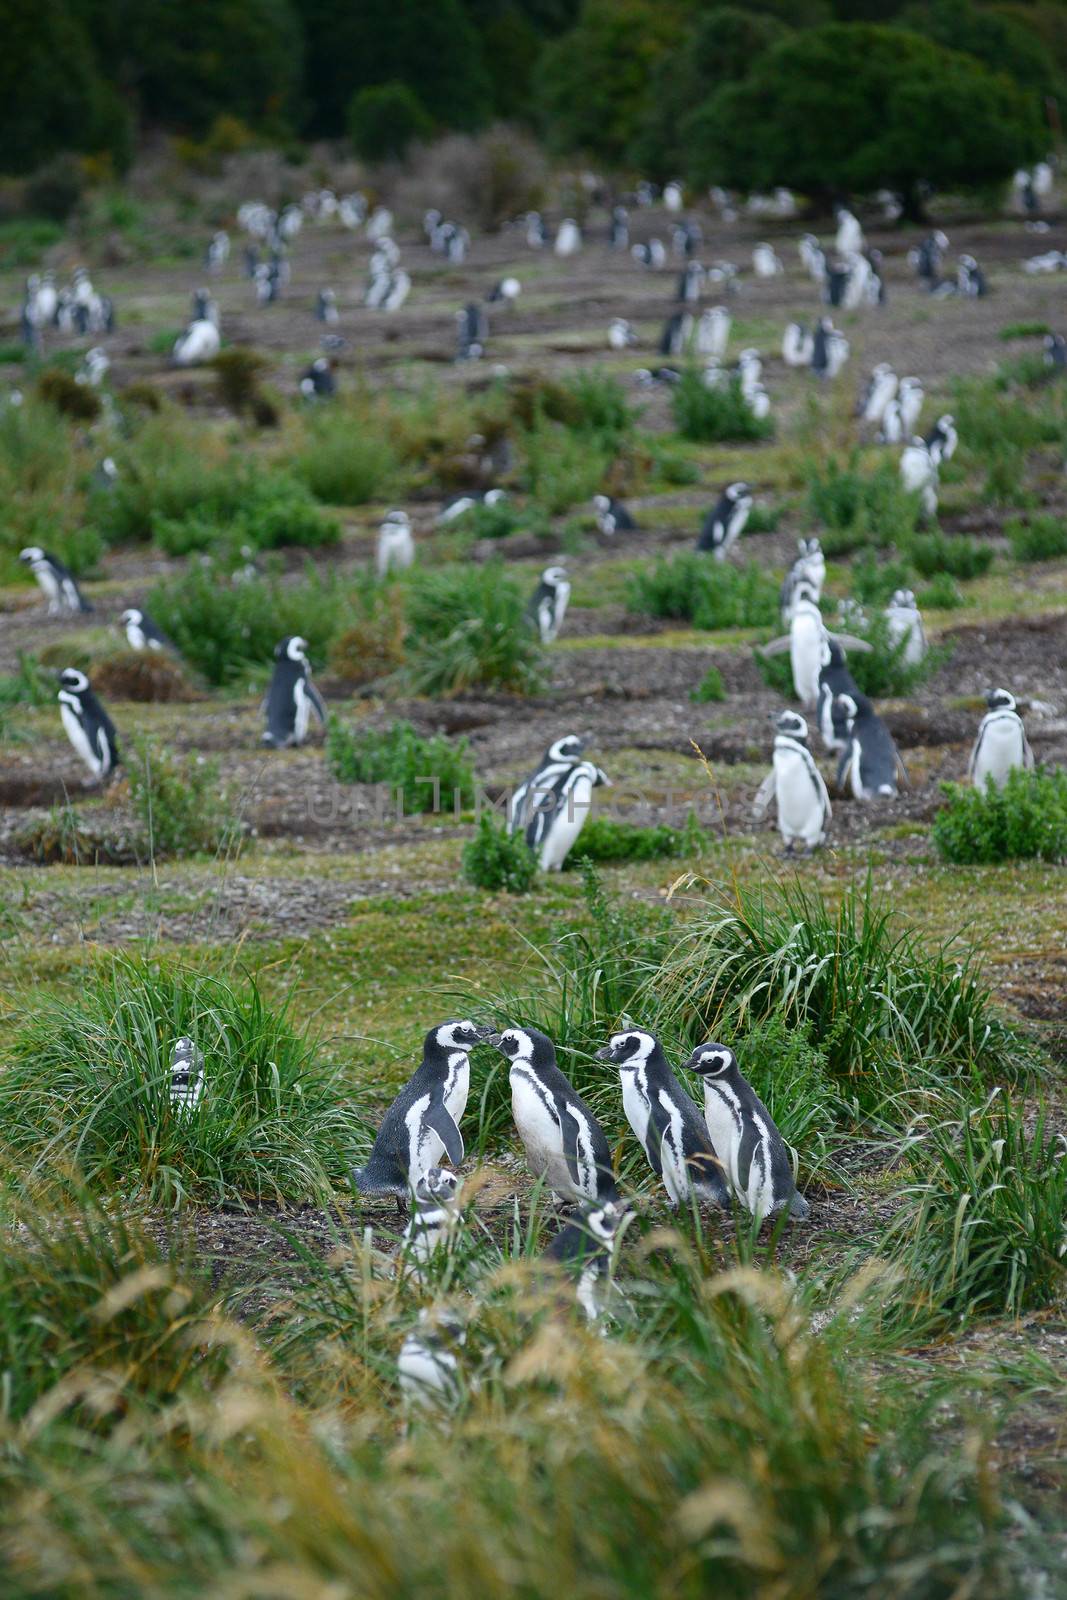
[692,587]
[873,582]
[78,401]
[942,593]
[883,671]
[273,509]
[981,1232]
[599,403]
[935,554]
[428,774]
[88,1082]
[603,840]
[23,240]
[989,417]
[1024,330]
[346,460]
[372,645]
[63,837]
[238,372]
[146,676]
[564,466]
[30,685]
[858,509]
[179,805]
[495,859]
[711,688]
[1040,538]
[717,415]
[1025,820]
[467,629]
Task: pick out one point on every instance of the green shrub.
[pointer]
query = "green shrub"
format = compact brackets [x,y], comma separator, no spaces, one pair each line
[882,671]
[981,1232]
[499,521]
[989,419]
[859,510]
[31,685]
[935,554]
[496,859]
[693,587]
[179,804]
[604,840]
[940,594]
[564,466]
[384,119]
[88,1082]
[710,688]
[78,401]
[273,509]
[718,415]
[599,403]
[237,373]
[873,582]
[23,241]
[1041,538]
[64,837]
[346,460]
[428,774]
[467,629]
[1005,477]
[1024,330]
[1025,820]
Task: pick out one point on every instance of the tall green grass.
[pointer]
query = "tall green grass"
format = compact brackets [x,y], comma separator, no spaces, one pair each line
[715,415]
[467,629]
[692,587]
[428,774]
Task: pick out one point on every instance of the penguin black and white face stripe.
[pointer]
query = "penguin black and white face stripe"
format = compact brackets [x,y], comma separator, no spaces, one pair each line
[712,1061]
[1000,700]
[792,726]
[56,582]
[460,1035]
[186,1075]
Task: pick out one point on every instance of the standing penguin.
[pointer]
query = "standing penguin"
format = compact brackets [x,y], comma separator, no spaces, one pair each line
[798,345]
[1001,745]
[752,1151]
[726,520]
[434,1221]
[564,1142]
[142,633]
[677,332]
[665,1120]
[942,439]
[422,1124]
[56,582]
[186,1076]
[620,334]
[805,642]
[797,787]
[881,388]
[808,569]
[713,333]
[427,1367]
[552,805]
[835,681]
[611,515]
[88,726]
[904,621]
[584,1249]
[292,696]
[870,763]
[396,546]
[918,473]
[548,604]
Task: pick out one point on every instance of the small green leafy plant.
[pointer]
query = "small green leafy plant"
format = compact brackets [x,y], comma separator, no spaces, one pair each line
[496,859]
[604,840]
[692,587]
[1025,820]
[430,774]
[718,414]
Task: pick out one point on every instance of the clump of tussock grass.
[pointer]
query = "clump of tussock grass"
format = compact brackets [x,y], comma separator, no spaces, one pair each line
[604,840]
[66,837]
[348,457]
[1026,820]
[88,1081]
[495,859]
[179,804]
[272,510]
[1039,538]
[467,629]
[564,467]
[425,774]
[692,587]
[983,1228]
[717,414]
[858,509]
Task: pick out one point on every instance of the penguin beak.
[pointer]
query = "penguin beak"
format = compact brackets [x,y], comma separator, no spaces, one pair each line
[606,1054]
[493,1039]
[485,1035]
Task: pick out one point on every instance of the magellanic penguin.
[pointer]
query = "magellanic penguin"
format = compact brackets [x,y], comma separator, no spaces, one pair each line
[725,522]
[434,1222]
[460,504]
[427,1367]
[564,1143]
[753,1153]
[881,388]
[942,439]
[805,641]
[186,1076]
[292,696]
[919,475]
[870,763]
[88,726]
[422,1124]
[56,582]
[904,621]
[585,1250]
[797,787]
[396,545]
[611,515]
[1001,744]
[552,805]
[809,569]
[548,604]
[142,633]
[835,681]
[666,1121]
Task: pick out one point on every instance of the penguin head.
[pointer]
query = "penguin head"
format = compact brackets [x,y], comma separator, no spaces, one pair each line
[395,519]
[442,1324]
[294,648]
[555,576]
[569,748]
[524,1044]
[602,502]
[132,616]
[603,1222]
[71,681]
[804,594]
[31,554]
[1000,700]
[457,1035]
[494,497]
[737,491]
[184,1049]
[832,653]
[792,725]
[712,1060]
[846,707]
[437,1184]
[629,1049]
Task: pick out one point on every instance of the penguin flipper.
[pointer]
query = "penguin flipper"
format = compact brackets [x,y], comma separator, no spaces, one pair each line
[318,705]
[901,768]
[842,767]
[658,1123]
[776,647]
[441,1120]
[764,795]
[848,641]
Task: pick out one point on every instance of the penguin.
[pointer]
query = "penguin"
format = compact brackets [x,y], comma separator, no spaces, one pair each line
[849,240]
[820,347]
[805,641]
[292,696]
[809,568]
[918,474]
[548,604]
[318,382]
[397,291]
[142,633]
[585,1249]
[647,376]
[186,1076]
[798,345]
[396,546]
[611,515]
[1055,349]
[910,395]
[870,763]
[673,195]
[904,621]
[1001,744]
[619,228]
[812,256]
[881,388]
[427,1367]
[105,475]
[765,262]
[564,1143]
[506,292]
[666,1121]
[94,368]
[422,1124]
[568,238]
[326,307]
[551,806]
[796,785]
[835,681]
[536,231]
[749,371]
[218,251]
[434,1221]
[56,581]
[205,308]
[686,239]
[725,522]
[970,279]
[620,334]
[199,343]
[753,1153]
[472,330]
[713,333]
[690,283]
[835,284]
[837,352]
[892,430]
[460,504]
[942,439]
[677,332]
[652,256]
[88,726]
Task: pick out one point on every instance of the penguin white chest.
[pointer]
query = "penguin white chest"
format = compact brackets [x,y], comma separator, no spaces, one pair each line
[566,824]
[301,710]
[457,1087]
[79,738]
[800,807]
[428,1375]
[425,1146]
[49,586]
[635,1104]
[540,1131]
[805,655]
[1001,749]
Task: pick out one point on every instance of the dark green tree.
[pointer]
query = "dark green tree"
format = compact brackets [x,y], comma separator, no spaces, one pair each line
[851,107]
[384,120]
[999,42]
[52,97]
